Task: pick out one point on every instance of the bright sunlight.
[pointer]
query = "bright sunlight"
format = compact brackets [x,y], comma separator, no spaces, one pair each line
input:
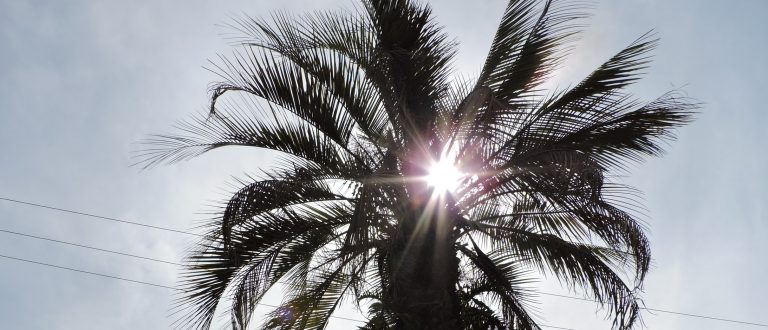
[444,176]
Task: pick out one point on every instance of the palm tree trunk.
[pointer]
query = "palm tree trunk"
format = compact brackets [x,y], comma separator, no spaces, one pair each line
[425,274]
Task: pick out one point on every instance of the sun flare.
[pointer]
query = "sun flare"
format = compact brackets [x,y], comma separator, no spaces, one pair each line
[444,176]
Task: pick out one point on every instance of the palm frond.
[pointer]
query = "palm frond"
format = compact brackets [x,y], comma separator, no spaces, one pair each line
[238,128]
[260,253]
[269,195]
[500,278]
[416,59]
[582,265]
[330,48]
[527,47]
[357,105]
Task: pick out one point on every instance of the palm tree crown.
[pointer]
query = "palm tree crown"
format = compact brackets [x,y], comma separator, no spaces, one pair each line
[359,105]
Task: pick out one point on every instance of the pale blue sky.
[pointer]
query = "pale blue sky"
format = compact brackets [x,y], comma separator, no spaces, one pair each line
[82,81]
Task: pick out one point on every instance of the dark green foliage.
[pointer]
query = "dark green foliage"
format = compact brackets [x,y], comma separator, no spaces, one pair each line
[357,104]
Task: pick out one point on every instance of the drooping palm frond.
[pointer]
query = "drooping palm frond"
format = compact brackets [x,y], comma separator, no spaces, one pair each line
[259,254]
[499,278]
[358,105]
[378,318]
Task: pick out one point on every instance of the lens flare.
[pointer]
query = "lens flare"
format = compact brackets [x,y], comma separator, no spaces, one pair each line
[444,176]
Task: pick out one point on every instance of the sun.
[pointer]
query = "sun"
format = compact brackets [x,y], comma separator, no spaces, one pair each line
[444,176]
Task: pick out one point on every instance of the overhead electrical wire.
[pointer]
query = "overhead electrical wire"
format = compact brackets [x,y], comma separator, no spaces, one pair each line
[666,311]
[89,247]
[100,217]
[190,233]
[130,280]
[176,289]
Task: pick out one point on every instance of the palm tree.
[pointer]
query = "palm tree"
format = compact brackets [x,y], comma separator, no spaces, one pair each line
[359,106]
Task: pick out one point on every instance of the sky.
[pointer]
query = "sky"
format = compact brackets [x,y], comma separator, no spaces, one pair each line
[81,82]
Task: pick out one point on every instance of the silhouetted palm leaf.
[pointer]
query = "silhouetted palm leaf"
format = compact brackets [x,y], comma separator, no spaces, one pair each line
[357,105]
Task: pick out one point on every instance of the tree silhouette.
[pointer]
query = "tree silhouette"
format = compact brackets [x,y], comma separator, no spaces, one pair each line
[359,105]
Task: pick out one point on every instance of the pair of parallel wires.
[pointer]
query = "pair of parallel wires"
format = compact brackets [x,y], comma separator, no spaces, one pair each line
[177,231]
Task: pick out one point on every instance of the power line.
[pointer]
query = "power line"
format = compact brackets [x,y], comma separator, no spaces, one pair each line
[128,255]
[706,317]
[87,272]
[189,233]
[89,247]
[666,311]
[133,281]
[99,216]
[176,289]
